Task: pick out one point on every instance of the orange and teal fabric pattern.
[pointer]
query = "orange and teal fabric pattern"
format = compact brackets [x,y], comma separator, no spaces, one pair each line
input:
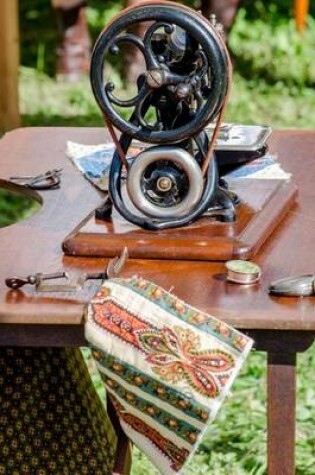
[167,367]
[51,419]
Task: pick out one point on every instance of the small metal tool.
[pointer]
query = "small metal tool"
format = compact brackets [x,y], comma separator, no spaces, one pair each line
[298,286]
[112,270]
[45,181]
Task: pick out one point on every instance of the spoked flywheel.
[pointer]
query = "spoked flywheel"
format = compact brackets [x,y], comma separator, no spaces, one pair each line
[186,76]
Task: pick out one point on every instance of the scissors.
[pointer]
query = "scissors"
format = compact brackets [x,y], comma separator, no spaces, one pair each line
[45,181]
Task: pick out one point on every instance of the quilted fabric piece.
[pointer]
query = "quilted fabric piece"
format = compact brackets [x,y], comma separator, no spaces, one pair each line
[167,366]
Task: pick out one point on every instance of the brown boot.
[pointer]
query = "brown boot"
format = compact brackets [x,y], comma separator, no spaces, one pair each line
[73,54]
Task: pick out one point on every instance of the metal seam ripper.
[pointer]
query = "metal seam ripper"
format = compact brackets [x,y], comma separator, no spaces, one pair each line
[112,270]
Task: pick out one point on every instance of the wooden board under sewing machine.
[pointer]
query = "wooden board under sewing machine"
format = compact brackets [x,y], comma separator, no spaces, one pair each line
[264,204]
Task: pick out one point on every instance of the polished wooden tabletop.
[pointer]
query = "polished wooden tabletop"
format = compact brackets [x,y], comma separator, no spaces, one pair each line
[34,245]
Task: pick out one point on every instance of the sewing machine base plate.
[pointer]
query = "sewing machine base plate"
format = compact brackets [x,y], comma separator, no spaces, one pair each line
[264,203]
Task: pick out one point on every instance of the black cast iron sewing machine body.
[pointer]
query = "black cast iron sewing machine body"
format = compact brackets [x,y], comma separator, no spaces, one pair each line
[184,87]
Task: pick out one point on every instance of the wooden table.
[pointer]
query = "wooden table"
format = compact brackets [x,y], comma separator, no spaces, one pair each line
[281,326]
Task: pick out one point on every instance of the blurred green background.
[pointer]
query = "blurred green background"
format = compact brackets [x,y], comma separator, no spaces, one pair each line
[273,84]
[274,66]
[263,41]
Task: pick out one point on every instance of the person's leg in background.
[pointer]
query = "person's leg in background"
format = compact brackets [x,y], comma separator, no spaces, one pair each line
[73,54]
[224,10]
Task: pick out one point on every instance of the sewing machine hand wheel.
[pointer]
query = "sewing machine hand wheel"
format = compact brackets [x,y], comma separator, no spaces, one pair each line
[184,86]
[185,64]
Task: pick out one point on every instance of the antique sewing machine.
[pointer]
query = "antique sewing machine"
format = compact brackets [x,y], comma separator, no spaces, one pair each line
[175,116]
[184,88]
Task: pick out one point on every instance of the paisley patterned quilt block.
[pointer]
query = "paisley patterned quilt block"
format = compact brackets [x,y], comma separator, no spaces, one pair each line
[166,366]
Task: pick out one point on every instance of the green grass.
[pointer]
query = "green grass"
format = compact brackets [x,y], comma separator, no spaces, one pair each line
[14,207]
[275,52]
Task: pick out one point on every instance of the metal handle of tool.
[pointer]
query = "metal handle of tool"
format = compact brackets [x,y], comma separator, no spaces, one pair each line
[39,280]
